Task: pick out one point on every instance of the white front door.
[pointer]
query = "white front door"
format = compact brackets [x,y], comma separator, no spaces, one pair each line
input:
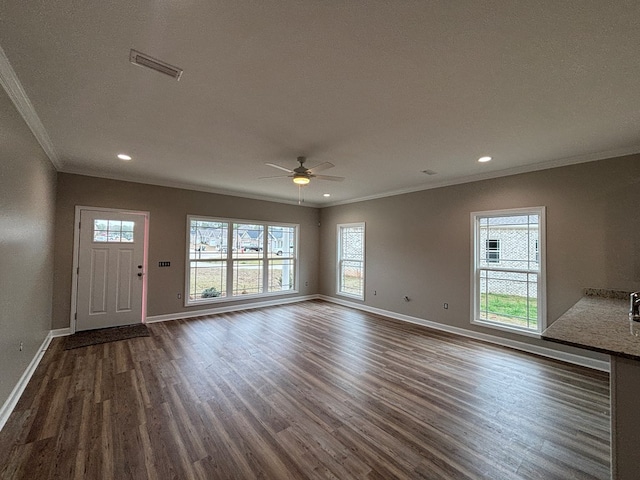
[111,269]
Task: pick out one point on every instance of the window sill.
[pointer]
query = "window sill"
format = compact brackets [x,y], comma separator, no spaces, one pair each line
[238,298]
[354,297]
[506,328]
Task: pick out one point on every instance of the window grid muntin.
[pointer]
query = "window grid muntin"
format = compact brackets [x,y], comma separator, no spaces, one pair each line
[212,274]
[248,277]
[280,279]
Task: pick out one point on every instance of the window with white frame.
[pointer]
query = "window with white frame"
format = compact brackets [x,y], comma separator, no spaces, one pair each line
[227,259]
[351,260]
[508,288]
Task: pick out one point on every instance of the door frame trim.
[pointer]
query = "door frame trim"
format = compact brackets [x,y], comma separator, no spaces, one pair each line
[76,258]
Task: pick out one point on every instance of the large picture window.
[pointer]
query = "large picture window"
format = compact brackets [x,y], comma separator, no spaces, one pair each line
[351,260]
[229,259]
[508,269]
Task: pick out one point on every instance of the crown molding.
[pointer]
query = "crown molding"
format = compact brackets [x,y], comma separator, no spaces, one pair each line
[10,83]
[187,186]
[547,165]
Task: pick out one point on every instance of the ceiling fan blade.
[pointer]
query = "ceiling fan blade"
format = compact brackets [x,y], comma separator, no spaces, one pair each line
[276,176]
[278,166]
[329,177]
[320,167]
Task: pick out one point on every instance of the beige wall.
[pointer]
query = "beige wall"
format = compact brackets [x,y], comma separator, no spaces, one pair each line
[418,244]
[168,209]
[27,196]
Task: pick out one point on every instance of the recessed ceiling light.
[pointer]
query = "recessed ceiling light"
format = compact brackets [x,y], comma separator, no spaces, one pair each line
[123,156]
[484,159]
[326,194]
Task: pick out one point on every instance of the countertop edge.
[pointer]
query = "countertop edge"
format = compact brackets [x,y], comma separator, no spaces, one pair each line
[599,323]
[590,348]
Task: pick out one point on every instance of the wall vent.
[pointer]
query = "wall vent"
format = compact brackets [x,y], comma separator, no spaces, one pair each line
[143,60]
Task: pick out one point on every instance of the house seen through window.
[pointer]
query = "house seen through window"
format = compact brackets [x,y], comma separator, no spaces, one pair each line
[493,251]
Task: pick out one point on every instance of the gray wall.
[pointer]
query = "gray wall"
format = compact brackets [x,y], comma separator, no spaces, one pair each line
[27,196]
[168,209]
[419,244]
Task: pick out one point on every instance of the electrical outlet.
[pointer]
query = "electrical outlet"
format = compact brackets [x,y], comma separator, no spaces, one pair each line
[179,296]
[306,284]
[445,306]
[21,345]
[375,292]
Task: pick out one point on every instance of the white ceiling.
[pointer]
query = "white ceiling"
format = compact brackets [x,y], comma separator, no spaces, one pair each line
[382,89]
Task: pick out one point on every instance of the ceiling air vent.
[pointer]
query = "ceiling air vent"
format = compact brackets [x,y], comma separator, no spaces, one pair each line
[139,58]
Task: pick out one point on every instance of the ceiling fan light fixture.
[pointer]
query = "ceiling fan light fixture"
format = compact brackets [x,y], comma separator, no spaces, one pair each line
[302,175]
[301,180]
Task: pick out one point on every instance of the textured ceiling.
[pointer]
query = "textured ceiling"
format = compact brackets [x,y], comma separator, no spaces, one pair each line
[382,89]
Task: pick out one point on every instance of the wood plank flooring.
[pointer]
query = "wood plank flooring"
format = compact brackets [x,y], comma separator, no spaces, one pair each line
[305,391]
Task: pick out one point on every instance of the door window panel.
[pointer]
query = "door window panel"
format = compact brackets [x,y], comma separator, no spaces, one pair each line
[113,231]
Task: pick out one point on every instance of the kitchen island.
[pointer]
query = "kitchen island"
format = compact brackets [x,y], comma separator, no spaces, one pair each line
[600,322]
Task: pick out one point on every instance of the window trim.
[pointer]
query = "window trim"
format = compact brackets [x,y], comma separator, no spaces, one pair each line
[229,260]
[339,259]
[541,273]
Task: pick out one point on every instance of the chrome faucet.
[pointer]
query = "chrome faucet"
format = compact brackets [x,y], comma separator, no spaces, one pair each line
[634,308]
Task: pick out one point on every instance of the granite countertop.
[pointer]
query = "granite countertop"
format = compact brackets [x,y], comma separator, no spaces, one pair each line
[599,322]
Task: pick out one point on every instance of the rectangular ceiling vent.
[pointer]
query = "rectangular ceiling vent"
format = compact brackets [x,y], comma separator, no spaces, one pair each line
[139,58]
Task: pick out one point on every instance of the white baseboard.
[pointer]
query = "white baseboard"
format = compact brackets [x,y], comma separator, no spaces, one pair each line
[17,391]
[60,332]
[505,342]
[229,308]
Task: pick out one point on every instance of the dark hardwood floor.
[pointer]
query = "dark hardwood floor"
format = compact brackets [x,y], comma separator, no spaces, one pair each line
[309,390]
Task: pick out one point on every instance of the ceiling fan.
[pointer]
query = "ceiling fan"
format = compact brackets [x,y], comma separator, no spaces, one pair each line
[303,175]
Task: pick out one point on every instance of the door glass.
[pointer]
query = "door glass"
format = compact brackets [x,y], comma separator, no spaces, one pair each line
[113,231]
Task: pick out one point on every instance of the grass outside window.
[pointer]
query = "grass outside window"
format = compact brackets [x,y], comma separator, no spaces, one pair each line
[511,309]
